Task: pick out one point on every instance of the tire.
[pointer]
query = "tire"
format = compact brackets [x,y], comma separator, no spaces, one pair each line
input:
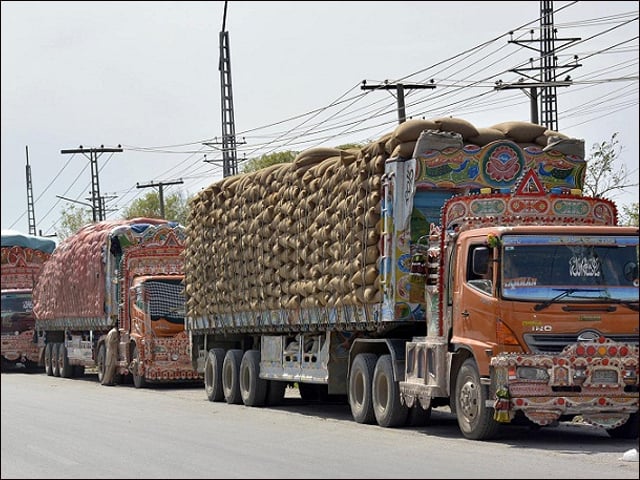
[55,360]
[138,378]
[628,430]
[33,367]
[275,393]
[360,381]
[253,389]
[418,416]
[231,376]
[474,418]
[213,375]
[66,370]
[387,406]
[101,362]
[47,360]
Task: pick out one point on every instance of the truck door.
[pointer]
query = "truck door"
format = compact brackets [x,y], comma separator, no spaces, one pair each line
[475,311]
[136,317]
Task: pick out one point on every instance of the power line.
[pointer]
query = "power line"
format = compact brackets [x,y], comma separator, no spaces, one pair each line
[399,88]
[97,207]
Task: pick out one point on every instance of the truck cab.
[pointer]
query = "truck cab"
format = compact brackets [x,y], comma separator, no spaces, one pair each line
[157,305]
[153,341]
[545,288]
[17,315]
[18,336]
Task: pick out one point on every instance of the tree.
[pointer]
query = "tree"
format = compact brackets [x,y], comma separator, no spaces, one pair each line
[603,178]
[268,159]
[629,215]
[349,146]
[72,219]
[175,207]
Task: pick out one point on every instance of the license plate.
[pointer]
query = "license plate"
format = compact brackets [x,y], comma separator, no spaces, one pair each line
[604,376]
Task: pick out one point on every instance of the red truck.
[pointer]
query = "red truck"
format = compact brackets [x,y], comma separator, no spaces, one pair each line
[23,256]
[111,298]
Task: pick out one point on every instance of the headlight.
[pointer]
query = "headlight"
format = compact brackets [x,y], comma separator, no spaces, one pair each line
[532,373]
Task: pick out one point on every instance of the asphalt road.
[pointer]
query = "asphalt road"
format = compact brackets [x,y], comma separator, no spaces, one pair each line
[76,428]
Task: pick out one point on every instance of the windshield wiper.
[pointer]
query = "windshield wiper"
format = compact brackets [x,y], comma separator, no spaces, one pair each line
[564,293]
[627,303]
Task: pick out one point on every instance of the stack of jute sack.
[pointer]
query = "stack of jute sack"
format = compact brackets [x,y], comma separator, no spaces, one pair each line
[401,142]
[306,234]
[75,282]
[72,282]
[293,235]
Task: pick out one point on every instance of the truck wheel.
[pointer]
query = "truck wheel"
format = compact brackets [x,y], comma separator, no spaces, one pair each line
[32,366]
[474,418]
[388,409]
[47,360]
[629,429]
[213,375]
[66,370]
[55,363]
[231,376]
[275,392]
[101,362]
[138,378]
[253,389]
[360,380]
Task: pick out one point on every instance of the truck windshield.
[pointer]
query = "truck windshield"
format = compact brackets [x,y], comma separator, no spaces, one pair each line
[166,300]
[586,268]
[16,312]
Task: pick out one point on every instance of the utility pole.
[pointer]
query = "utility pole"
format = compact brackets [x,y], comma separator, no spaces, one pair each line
[399,88]
[160,186]
[94,153]
[103,204]
[546,79]
[31,213]
[229,156]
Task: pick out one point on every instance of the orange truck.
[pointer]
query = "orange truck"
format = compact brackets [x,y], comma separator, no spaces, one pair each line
[111,298]
[23,256]
[444,265]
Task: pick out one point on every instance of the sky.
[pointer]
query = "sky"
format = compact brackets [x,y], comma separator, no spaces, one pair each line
[144,76]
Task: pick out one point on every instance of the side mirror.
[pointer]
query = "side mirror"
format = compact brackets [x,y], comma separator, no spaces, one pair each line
[480,261]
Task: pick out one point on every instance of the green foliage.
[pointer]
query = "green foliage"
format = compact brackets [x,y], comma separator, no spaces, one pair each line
[603,178]
[72,219]
[629,215]
[269,159]
[175,207]
[349,146]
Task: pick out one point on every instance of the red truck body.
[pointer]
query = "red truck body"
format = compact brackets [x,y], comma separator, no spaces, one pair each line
[23,257]
[111,298]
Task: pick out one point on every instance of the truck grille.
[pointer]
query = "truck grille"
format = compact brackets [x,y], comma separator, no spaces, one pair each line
[539,343]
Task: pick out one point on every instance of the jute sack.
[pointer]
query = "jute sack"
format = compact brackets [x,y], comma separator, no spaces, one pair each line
[315,155]
[486,135]
[378,147]
[520,132]
[543,139]
[456,125]
[404,150]
[410,130]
